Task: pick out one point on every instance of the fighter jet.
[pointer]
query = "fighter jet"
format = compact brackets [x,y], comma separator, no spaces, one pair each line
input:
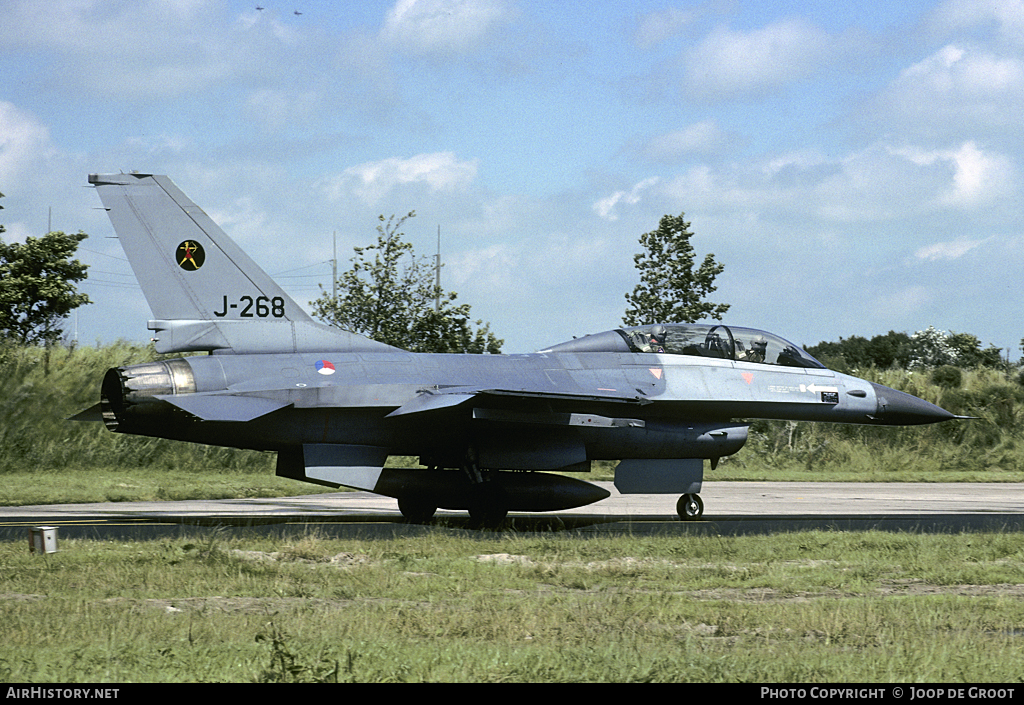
[492,432]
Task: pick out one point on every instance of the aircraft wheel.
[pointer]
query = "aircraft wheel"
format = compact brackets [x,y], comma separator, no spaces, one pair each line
[488,508]
[416,512]
[690,507]
[490,517]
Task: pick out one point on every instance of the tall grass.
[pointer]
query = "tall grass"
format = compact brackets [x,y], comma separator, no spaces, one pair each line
[40,388]
[985,448]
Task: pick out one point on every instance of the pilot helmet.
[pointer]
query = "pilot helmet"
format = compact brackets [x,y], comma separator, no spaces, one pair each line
[658,334]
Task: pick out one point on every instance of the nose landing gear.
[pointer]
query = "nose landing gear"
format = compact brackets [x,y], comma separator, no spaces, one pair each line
[690,507]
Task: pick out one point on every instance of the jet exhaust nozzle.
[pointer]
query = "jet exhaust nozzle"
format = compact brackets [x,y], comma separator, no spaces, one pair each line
[124,389]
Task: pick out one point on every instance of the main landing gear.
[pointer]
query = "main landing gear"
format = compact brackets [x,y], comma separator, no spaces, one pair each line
[690,507]
[469,489]
[487,506]
[416,511]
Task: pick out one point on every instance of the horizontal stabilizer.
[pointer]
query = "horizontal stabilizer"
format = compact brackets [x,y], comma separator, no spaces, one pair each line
[223,407]
[93,413]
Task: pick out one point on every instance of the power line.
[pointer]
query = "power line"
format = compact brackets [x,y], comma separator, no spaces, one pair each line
[103,254]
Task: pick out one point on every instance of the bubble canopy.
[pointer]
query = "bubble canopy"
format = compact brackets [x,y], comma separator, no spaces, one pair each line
[708,340]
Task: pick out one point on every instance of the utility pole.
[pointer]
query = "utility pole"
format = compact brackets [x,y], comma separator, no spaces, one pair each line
[334,270]
[437,272]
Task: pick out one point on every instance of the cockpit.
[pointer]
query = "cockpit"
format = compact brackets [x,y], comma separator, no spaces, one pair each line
[714,341]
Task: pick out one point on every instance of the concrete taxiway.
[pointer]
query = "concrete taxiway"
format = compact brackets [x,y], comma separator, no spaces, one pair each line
[730,508]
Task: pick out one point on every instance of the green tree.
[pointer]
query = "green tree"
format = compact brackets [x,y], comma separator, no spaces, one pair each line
[932,348]
[670,291]
[882,351]
[391,296]
[37,286]
[969,352]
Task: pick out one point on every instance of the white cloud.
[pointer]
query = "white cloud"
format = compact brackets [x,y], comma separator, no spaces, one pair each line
[606,206]
[150,49]
[277,109]
[947,250]
[24,144]
[656,27]
[490,268]
[959,90]
[955,70]
[939,62]
[800,160]
[495,216]
[730,62]
[244,218]
[442,26]
[979,177]
[34,176]
[701,137]
[440,171]
[156,145]
[957,15]
[877,184]
[903,302]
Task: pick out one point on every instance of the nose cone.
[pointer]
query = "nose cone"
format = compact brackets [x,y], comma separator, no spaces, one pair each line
[902,409]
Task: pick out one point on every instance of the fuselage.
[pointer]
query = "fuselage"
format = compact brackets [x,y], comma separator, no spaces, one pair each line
[567,407]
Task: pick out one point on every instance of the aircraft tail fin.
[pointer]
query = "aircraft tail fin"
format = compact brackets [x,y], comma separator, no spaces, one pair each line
[204,291]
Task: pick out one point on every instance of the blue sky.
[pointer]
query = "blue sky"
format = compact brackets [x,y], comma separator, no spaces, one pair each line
[856,169]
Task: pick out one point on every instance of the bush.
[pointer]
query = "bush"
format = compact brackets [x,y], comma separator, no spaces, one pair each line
[948,377]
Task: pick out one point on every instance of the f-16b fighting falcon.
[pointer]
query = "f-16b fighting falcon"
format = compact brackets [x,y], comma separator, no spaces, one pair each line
[661,399]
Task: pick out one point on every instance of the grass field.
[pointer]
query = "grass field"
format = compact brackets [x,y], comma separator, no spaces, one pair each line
[801,607]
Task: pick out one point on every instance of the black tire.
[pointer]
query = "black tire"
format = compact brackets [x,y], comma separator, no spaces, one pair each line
[690,507]
[489,507]
[416,511]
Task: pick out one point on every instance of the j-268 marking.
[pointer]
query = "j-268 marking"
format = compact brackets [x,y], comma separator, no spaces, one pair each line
[259,307]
